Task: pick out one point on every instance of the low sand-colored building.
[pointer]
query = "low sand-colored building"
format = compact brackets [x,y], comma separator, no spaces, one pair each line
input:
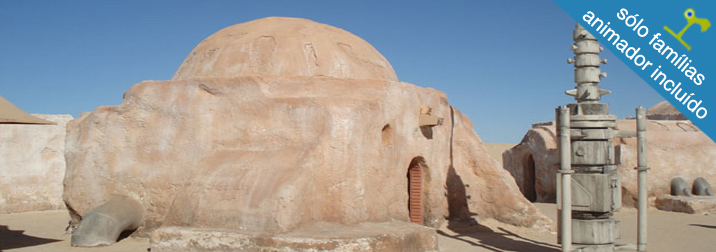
[674,148]
[32,159]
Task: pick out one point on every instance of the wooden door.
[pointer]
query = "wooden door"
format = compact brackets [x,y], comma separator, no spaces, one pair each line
[529,187]
[415,194]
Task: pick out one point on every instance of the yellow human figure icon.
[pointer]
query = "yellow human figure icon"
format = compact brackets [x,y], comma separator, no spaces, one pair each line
[691,18]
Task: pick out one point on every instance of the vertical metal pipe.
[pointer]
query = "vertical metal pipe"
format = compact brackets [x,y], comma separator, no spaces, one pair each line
[558,177]
[565,159]
[641,168]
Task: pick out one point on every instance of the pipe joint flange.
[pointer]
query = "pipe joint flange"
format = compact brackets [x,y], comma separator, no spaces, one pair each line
[642,168]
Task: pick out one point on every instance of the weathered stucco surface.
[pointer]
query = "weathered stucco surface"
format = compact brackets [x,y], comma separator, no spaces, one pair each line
[364,237]
[269,152]
[278,46]
[272,153]
[32,165]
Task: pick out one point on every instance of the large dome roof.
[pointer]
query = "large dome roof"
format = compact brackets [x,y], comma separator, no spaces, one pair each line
[278,46]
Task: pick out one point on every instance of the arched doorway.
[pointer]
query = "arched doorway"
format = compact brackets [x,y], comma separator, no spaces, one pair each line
[415,191]
[529,179]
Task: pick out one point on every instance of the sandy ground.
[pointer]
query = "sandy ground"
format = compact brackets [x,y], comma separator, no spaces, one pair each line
[667,231]
[44,231]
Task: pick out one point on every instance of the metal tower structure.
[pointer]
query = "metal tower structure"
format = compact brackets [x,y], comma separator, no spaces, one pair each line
[589,187]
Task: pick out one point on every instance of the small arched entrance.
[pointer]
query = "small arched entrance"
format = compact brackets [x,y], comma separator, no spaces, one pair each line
[415,190]
[529,179]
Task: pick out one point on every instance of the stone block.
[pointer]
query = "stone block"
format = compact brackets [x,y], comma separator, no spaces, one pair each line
[685,204]
[386,236]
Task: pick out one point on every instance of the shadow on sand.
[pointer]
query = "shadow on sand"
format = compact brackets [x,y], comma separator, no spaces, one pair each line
[703,226]
[466,229]
[501,240]
[12,239]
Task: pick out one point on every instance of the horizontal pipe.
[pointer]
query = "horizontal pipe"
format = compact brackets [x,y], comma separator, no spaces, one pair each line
[103,225]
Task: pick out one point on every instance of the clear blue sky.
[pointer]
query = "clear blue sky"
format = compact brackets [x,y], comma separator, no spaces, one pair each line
[502,63]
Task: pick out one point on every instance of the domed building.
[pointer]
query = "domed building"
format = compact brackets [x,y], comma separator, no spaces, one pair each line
[283,133]
[277,46]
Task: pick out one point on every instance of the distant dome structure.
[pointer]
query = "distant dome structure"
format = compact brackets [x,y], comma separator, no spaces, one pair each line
[664,111]
[280,46]
[672,141]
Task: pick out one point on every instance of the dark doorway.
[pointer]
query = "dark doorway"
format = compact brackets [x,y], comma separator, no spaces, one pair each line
[415,192]
[529,179]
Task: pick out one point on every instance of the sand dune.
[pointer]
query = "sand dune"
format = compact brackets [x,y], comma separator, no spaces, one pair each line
[496,149]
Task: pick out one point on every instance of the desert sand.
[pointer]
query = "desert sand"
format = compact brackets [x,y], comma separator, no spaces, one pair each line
[496,149]
[44,231]
[668,231]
